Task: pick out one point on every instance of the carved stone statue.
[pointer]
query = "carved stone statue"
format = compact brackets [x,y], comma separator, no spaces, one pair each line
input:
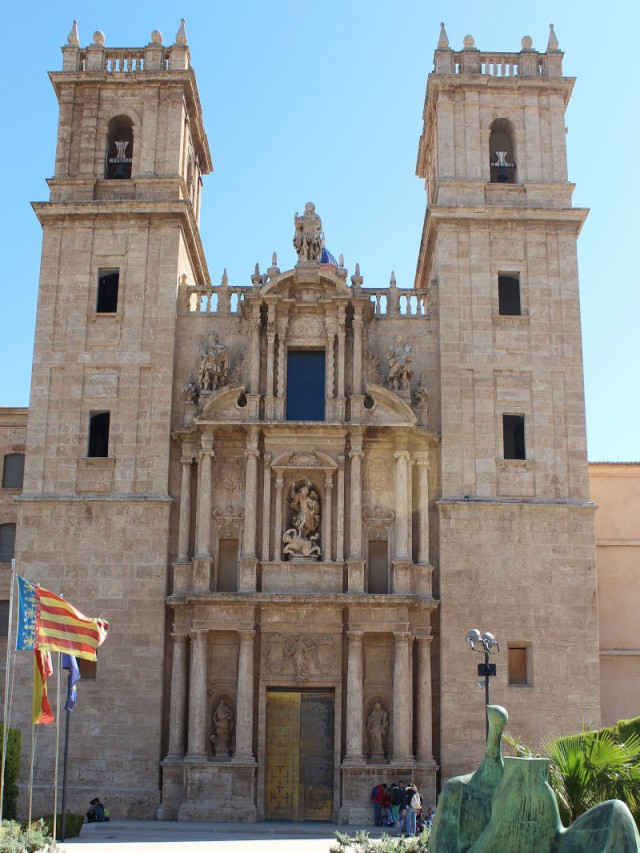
[377,728]
[223,726]
[214,364]
[300,540]
[308,239]
[191,391]
[400,357]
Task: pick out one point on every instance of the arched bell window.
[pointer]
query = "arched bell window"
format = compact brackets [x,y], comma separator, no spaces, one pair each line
[119,155]
[502,153]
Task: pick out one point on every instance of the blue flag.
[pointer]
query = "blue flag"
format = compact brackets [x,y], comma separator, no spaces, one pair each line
[26,638]
[70,663]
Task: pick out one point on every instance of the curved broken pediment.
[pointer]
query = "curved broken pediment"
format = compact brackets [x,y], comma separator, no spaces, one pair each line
[222,405]
[388,408]
[308,284]
[305,460]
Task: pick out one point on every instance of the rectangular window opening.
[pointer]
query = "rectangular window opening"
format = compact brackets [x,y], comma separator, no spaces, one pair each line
[99,434]
[378,575]
[306,385]
[228,565]
[513,436]
[108,283]
[88,669]
[509,295]
[13,471]
[4,618]
[7,542]
[518,664]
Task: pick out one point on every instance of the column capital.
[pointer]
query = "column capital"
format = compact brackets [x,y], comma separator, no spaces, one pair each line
[206,441]
[279,482]
[187,460]
[246,634]
[179,638]
[401,454]
[355,636]
[267,458]
[356,454]
[252,452]
[328,482]
[402,636]
[422,460]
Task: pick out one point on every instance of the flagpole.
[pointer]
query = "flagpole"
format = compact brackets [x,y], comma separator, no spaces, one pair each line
[64,761]
[5,718]
[33,752]
[55,780]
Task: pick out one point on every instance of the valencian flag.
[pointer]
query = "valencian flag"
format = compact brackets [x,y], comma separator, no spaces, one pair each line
[48,623]
[42,669]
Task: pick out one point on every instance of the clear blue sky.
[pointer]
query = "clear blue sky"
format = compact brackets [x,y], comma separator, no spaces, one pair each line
[323,102]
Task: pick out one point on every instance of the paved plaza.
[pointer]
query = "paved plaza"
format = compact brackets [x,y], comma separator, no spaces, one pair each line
[140,836]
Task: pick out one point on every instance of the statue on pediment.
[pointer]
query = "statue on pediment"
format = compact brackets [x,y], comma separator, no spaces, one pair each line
[308,239]
[400,357]
[214,364]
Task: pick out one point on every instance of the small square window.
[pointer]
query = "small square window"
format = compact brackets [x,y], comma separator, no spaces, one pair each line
[108,284]
[99,434]
[513,437]
[4,618]
[88,669]
[518,664]
[509,295]
[7,542]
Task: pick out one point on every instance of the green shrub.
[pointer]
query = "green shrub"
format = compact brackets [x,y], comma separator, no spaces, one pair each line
[361,843]
[626,728]
[72,824]
[14,838]
[11,772]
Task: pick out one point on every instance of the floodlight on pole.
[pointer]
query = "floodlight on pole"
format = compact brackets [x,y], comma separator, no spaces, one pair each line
[485,644]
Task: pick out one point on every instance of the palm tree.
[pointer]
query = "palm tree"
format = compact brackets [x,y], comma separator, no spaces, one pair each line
[588,768]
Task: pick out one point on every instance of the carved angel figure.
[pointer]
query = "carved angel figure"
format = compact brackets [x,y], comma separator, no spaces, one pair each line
[304,502]
[223,726]
[377,728]
[400,357]
[308,239]
[214,364]
[300,649]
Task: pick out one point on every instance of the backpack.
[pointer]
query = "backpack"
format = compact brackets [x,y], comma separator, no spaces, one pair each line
[416,801]
[396,796]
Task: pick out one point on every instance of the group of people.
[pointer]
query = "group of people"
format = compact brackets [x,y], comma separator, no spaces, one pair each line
[401,807]
[97,812]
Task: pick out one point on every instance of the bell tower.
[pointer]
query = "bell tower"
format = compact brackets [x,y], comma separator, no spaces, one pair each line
[120,230]
[498,253]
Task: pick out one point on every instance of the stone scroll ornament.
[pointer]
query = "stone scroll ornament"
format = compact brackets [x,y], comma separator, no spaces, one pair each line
[400,357]
[308,240]
[507,805]
[214,364]
[300,541]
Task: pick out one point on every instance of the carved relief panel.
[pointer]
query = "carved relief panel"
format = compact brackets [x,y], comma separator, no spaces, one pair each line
[300,655]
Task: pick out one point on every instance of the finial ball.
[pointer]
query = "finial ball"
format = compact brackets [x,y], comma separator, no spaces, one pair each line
[156,37]
[98,37]
[469,42]
[527,42]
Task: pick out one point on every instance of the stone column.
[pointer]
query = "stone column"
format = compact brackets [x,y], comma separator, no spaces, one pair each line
[424,744]
[340,512]
[402,515]
[250,495]
[277,539]
[357,352]
[184,529]
[355,513]
[410,507]
[266,505]
[341,365]
[203,545]
[401,698]
[353,753]
[326,518]
[254,350]
[244,709]
[422,463]
[330,373]
[178,702]
[198,697]
[271,337]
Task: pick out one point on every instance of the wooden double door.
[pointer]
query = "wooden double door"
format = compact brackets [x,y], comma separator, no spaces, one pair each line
[299,766]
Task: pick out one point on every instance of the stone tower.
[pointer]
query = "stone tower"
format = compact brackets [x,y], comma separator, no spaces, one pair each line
[516,542]
[120,225]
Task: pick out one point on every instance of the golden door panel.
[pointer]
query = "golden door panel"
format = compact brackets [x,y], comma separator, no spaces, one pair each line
[299,756]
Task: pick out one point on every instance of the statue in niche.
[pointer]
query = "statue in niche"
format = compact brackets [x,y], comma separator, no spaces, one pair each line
[308,239]
[223,727]
[191,391]
[400,357]
[301,539]
[377,728]
[214,364]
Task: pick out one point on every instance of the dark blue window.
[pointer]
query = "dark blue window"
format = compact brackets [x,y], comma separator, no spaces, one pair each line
[305,385]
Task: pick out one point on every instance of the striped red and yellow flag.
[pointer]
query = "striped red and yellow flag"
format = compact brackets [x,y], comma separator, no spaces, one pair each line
[62,628]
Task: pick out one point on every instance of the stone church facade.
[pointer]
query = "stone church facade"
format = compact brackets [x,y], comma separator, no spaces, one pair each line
[293,499]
